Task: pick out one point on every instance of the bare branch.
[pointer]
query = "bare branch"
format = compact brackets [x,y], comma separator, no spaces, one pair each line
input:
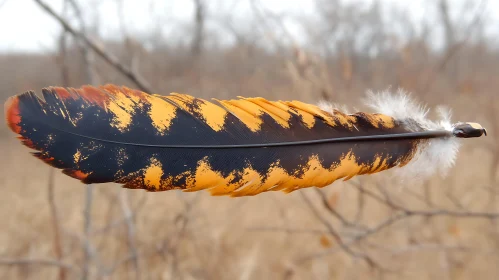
[58,249]
[427,247]
[121,221]
[288,230]
[128,216]
[55,223]
[380,226]
[361,202]
[87,227]
[109,271]
[199,19]
[335,213]
[90,77]
[451,213]
[450,38]
[109,58]
[43,262]
[456,46]
[335,234]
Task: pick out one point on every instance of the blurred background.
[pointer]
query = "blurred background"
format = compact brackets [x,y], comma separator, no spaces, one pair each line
[445,52]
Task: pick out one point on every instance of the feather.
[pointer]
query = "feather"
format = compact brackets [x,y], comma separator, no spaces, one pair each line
[230,147]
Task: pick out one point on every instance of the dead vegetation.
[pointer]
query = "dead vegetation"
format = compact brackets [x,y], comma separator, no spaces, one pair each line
[369,227]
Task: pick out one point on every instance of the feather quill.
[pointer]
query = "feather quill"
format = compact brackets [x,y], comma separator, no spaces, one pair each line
[230,147]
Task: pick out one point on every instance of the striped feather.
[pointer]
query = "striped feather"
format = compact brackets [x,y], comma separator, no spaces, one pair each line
[158,143]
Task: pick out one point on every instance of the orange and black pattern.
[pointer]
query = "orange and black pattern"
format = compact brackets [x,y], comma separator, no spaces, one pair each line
[66,129]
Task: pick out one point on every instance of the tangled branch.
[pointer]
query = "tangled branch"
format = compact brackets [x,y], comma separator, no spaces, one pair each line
[108,57]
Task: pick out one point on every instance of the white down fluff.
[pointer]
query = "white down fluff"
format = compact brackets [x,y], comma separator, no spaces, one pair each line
[438,155]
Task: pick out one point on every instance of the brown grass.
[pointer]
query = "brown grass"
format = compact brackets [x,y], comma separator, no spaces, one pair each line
[303,235]
[273,235]
[226,238]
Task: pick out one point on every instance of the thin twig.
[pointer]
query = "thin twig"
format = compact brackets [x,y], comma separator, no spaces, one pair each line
[87,56]
[119,222]
[455,48]
[451,213]
[43,262]
[361,202]
[335,213]
[376,197]
[109,58]
[335,234]
[380,226]
[426,247]
[59,254]
[55,223]
[288,230]
[183,218]
[87,227]
[110,270]
[402,213]
[130,226]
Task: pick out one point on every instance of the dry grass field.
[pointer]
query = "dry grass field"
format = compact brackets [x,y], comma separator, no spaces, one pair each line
[371,227]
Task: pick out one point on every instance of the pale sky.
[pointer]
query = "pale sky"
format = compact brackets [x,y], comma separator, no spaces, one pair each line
[25,27]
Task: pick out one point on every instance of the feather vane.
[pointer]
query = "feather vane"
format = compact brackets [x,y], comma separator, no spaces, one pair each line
[157,143]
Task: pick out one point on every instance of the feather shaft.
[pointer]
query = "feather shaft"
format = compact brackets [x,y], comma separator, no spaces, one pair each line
[381,137]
